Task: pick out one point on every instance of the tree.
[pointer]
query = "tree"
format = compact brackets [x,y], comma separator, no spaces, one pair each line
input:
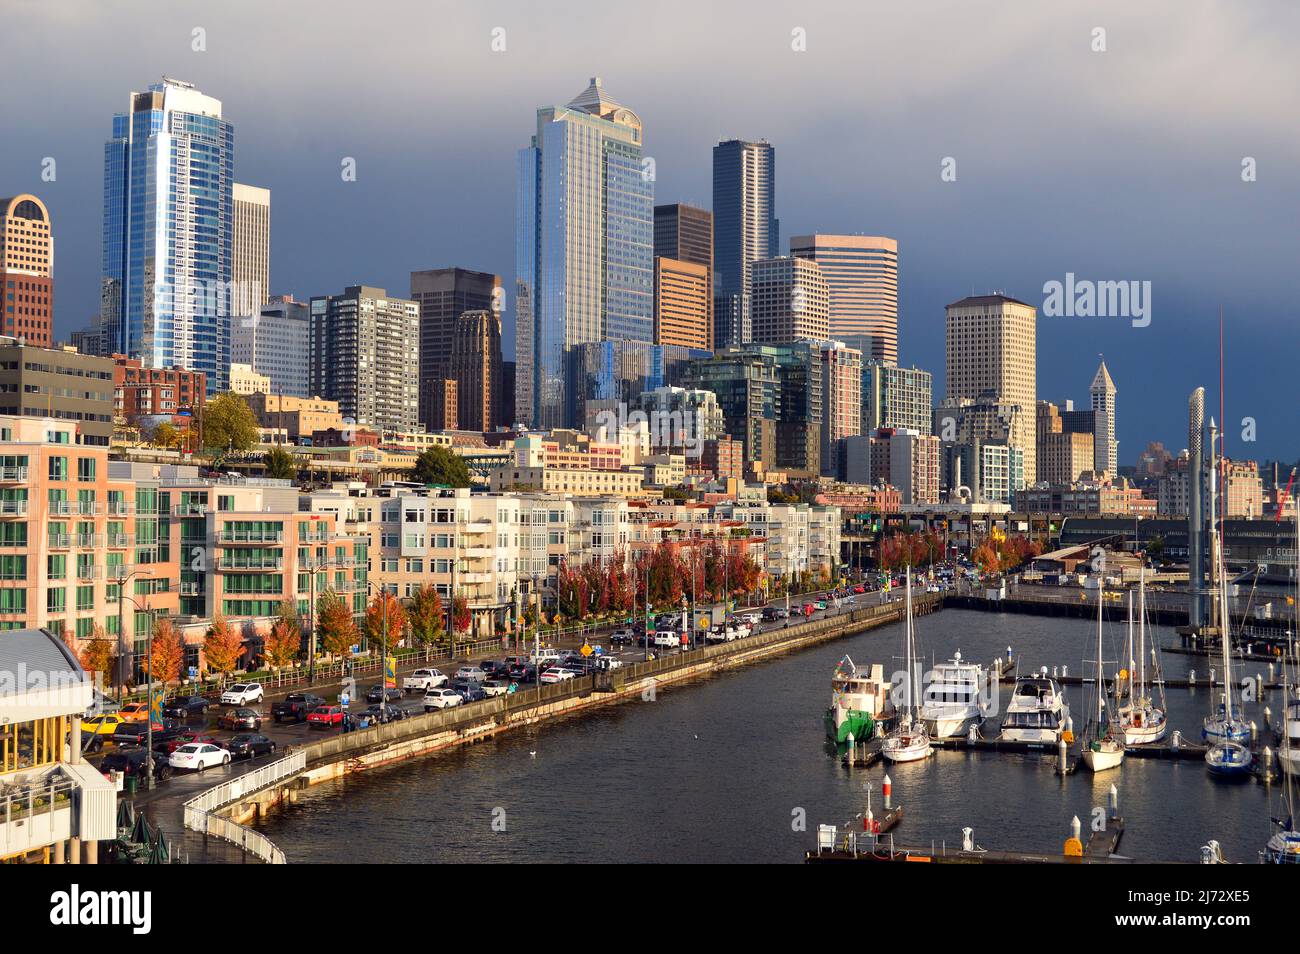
[222,645]
[438,465]
[426,615]
[280,464]
[461,615]
[165,435]
[168,652]
[338,631]
[284,642]
[375,619]
[99,653]
[229,424]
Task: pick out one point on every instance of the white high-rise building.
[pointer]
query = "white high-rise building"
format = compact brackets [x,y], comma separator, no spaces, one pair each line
[250,273]
[275,343]
[1105,448]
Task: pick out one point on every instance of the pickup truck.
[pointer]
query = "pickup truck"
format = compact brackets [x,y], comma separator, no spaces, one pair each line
[295,707]
[424,679]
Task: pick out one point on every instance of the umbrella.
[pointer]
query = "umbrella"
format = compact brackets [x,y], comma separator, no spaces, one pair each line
[125,815]
[160,854]
[141,834]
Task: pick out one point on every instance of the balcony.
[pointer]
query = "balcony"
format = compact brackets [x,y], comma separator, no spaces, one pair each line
[120,540]
[250,536]
[90,572]
[63,508]
[60,541]
[119,508]
[237,564]
[13,508]
[90,541]
[13,475]
[42,810]
[88,508]
[190,510]
[190,589]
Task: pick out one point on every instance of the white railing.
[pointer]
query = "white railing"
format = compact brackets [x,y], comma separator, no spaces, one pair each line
[200,811]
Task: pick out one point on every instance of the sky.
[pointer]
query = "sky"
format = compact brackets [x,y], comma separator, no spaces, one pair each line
[1122,164]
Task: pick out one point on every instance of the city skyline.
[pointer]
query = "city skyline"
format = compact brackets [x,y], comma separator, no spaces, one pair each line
[1087,206]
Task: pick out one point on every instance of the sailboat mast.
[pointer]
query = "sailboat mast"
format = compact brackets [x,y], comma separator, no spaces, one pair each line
[1132,686]
[1142,630]
[912,689]
[1101,682]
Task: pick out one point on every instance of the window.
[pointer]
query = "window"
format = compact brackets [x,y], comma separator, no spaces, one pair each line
[86,469]
[58,469]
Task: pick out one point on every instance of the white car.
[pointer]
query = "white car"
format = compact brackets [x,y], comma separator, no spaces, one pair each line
[198,755]
[668,640]
[495,687]
[555,674]
[242,693]
[753,619]
[424,679]
[441,699]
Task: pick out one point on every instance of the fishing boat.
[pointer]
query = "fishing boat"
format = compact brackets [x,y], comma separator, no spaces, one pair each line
[954,698]
[1102,749]
[1139,721]
[909,741]
[1036,711]
[859,702]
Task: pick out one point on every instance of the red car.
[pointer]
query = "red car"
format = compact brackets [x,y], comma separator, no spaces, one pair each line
[859,588]
[185,738]
[322,717]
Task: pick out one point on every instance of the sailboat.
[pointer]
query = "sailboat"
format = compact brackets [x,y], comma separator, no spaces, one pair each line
[909,741]
[1283,847]
[1101,749]
[1225,730]
[1139,722]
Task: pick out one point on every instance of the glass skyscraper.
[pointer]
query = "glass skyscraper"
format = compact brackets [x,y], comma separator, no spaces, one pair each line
[584,248]
[168,228]
[745,229]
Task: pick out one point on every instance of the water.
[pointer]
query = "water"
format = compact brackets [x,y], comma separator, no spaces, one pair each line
[723,768]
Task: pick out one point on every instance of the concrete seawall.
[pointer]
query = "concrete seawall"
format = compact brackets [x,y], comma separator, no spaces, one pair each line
[342,755]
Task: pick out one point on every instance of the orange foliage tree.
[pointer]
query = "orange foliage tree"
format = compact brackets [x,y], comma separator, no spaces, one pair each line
[222,645]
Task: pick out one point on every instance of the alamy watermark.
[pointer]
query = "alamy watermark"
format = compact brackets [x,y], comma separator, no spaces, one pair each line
[1084,298]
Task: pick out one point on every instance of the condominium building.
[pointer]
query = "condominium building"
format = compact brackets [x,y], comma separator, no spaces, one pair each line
[745,229]
[991,349]
[250,269]
[274,342]
[140,392]
[365,354]
[789,300]
[913,465]
[682,418]
[861,273]
[895,397]
[798,537]
[60,383]
[841,373]
[682,304]
[26,270]
[557,480]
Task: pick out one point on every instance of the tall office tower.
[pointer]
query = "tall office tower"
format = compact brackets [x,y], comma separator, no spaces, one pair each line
[168,232]
[475,366]
[444,294]
[745,229]
[1105,447]
[275,343]
[250,269]
[365,354]
[506,407]
[992,351]
[789,300]
[895,397]
[26,270]
[861,272]
[682,304]
[1063,454]
[584,252]
[685,233]
[841,399]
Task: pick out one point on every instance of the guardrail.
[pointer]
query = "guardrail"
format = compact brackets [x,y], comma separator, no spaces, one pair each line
[200,811]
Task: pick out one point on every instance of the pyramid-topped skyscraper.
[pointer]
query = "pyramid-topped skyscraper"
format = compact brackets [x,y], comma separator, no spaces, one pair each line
[1105,447]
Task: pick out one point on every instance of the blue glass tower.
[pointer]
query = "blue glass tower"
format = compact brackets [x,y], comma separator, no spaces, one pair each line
[168,229]
[584,248]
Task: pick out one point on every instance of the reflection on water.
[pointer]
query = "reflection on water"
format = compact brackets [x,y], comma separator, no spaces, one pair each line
[723,769]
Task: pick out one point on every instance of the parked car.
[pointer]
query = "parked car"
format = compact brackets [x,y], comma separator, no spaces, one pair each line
[135,733]
[295,707]
[476,673]
[378,693]
[622,637]
[104,724]
[378,715]
[423,679]
[248,745]
[130,762]
[184,737]
[134,711]
[242,693]
[496,687]
[185,707]
[606,663]
[241,718]
[555,674]
[324,717]
[859,588]
[197,756]
[523,673]
[470,690]
[441,699]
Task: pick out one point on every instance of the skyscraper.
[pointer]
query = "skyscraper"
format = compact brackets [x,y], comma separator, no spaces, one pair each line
[365,349]
[745,229]
[992,356]
[682,304]
[475,366]
[584,253]
[26,270]
[168,231]
[275,343]
[789,300]
[861,272]
[444,294]
[895,397]
[685,233]
[1105,447]
[841,399]
[250,270]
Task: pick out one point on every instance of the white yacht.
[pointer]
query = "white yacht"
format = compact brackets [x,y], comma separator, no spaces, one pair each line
[954,698]
[909,742]
[1036,711]
[1289,752]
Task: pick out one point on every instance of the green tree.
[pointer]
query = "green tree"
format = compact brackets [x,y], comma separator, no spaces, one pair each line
[426,616]
[165,435]
[280,464]
[438,465]
[229,423]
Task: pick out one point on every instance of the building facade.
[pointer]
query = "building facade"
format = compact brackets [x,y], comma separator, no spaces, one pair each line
[682,304]
[861,272]
[841,372]
[789,300]
[250,269]
[275,342]
[475,367]
[745,229]
[684,233]
[896,397]
[140,392]
[1105,446]
[443,295]
[60,383]
[27,270]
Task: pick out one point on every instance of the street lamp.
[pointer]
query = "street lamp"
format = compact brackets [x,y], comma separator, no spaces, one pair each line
[383,655]
[148,659]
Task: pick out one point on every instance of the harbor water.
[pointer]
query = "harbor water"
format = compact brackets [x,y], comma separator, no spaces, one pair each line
[736,768]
